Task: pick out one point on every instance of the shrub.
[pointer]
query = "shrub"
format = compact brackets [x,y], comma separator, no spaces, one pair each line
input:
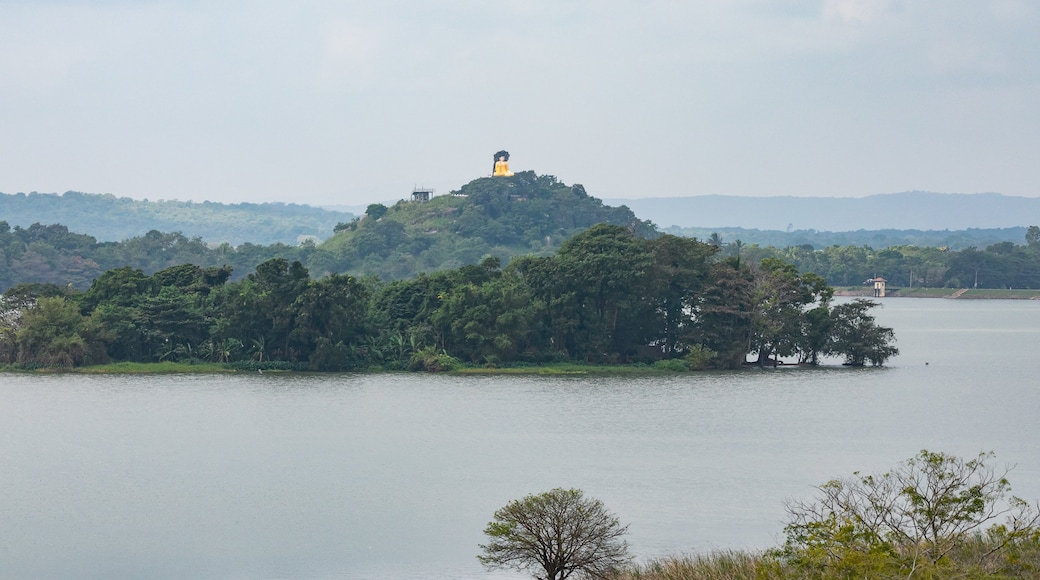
[700,357]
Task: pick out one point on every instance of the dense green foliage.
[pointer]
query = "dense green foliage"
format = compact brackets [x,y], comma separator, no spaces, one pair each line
[523,215]
[526,214]
[112,219]
[393,250]
[606,296]
[52,254]
[502,217]
[1002,265]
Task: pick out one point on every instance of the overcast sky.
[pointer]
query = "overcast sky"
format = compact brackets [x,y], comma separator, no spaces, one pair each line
[353,102]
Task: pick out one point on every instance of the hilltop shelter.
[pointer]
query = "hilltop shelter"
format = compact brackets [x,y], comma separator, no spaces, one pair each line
[421,194]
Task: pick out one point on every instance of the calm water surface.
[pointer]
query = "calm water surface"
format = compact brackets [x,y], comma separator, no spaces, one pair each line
[395,476]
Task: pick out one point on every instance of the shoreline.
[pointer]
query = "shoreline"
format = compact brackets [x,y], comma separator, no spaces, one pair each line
[549,369]
[949,293]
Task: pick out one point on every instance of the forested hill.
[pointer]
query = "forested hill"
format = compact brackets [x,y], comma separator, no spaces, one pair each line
[113,219]
[503,217]
[526,214]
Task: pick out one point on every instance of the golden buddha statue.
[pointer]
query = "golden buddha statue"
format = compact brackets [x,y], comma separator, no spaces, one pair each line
[502,165]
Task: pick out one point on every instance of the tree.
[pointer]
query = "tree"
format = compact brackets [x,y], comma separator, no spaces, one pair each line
[856,336]
[909,521]
[724,320]
[780,296]
[603,268]
[55,334]
[376,210]
[557,533]
[1033,236]
[673,289]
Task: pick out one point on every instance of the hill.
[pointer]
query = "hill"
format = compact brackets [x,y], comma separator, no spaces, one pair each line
[915,210]
[111,219]
[526,214]
[502,217]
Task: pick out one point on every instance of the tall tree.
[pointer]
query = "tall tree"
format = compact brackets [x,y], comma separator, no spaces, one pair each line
[724,323]
[673,289]
[857,337]
[604,269]
[780,296]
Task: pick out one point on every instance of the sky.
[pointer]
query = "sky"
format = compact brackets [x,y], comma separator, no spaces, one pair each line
[348,103]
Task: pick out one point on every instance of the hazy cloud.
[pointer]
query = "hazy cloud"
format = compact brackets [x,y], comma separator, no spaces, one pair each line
[861,11]
[319,101]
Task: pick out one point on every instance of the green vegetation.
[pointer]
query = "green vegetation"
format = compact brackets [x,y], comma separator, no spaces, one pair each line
[932,516]
[1000,266]
[985,293]
[523,215]
[526,214]
[719,565]
[927,517]
[927,292]
[581,283]
[165,367]
[606,297]
[884,238]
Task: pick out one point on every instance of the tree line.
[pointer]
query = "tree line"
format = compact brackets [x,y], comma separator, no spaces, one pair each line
[607,295]
[51,254]
[1001,265]
[506,217]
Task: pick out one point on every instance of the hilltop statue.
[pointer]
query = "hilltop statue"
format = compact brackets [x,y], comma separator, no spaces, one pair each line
[502,165]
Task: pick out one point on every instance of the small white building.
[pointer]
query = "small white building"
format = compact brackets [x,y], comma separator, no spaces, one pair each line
[879,286]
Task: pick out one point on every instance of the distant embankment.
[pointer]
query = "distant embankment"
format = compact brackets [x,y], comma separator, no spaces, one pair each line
[915,210]
[956,293]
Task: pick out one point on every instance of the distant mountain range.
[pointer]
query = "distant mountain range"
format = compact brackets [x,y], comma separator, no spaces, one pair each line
[113,219]
[913,210]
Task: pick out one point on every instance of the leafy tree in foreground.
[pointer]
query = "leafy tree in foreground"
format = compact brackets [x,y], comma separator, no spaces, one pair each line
[913,521]
[557,533]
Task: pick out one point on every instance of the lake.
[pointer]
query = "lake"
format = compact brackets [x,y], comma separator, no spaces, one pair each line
[396,475]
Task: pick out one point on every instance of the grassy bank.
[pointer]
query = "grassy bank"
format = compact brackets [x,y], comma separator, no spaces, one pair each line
[127,368]
[957,293]
[983,294]
[548,369]
[724,565]
[923,292]
[977,559]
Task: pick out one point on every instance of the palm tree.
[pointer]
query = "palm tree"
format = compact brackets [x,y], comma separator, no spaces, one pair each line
[258,348]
